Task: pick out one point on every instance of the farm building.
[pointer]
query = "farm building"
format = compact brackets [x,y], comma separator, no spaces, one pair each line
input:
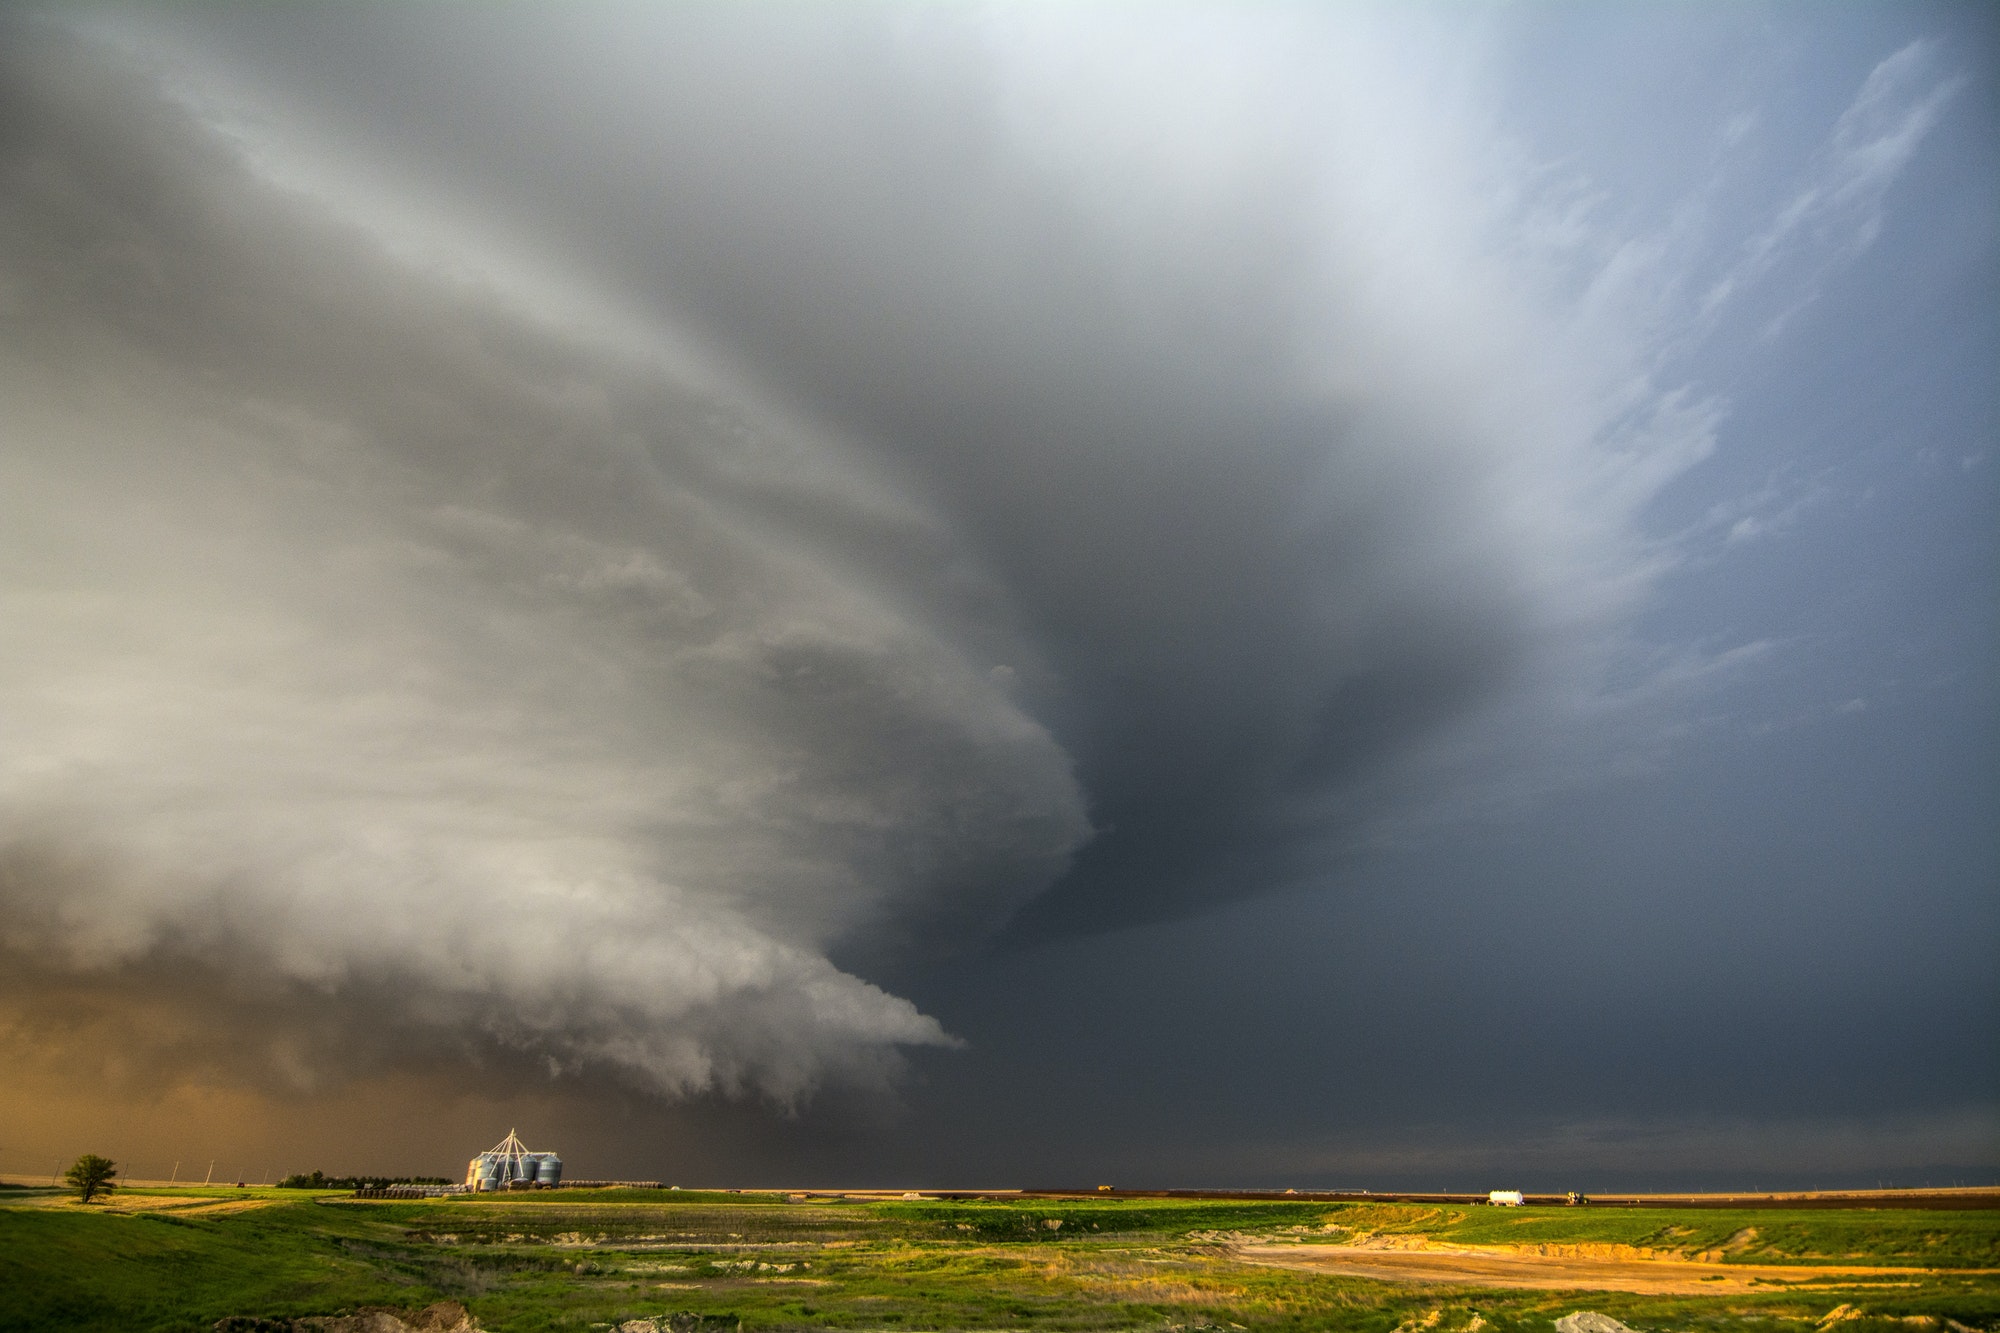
[509,1165]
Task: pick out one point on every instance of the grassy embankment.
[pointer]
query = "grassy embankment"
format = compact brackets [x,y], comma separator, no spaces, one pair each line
[1866,1236]
[571,1260]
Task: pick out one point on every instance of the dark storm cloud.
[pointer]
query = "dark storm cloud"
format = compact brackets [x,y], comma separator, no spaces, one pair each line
[369,635]
[566,521]
[1201,358]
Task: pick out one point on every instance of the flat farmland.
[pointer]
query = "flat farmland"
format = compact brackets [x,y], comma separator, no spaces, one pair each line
[184,1259]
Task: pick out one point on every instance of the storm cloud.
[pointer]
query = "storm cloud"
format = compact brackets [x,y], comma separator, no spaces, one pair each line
[368,633]
[546,530]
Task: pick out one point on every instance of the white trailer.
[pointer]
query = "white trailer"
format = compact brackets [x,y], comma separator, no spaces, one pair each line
[1505,1198]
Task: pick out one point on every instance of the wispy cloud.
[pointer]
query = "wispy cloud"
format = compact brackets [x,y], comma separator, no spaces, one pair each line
[1836,212]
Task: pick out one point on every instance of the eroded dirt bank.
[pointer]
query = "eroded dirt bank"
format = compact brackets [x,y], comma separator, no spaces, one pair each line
[1567,1271]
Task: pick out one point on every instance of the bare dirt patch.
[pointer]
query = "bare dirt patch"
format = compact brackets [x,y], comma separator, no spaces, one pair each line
[1573,1272]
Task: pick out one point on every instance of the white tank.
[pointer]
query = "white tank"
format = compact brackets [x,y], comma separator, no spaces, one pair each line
[548,1171]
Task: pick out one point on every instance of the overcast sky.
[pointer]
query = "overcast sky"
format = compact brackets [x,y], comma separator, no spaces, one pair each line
[1195,595]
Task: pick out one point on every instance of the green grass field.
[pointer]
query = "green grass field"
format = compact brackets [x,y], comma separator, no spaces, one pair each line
[592,1259]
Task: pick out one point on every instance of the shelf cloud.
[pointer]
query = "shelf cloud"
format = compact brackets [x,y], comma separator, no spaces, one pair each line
[369,636]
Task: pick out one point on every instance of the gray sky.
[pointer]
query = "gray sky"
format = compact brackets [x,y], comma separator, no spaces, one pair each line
[1309,595]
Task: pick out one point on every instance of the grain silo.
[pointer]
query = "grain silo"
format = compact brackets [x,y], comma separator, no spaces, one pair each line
[509,1165]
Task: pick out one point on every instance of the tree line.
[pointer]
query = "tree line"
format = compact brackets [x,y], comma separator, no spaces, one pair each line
[318,1180]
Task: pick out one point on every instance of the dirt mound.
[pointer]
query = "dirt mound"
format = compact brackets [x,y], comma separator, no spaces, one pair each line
[1589,1321]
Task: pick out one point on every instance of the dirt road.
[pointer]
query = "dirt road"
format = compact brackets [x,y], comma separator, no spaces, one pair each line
[1494,1268]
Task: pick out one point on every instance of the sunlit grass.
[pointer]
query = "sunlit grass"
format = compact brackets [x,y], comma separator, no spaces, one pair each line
[183,1258]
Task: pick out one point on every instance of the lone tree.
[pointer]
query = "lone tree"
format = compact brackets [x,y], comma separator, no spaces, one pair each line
[90,1174]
